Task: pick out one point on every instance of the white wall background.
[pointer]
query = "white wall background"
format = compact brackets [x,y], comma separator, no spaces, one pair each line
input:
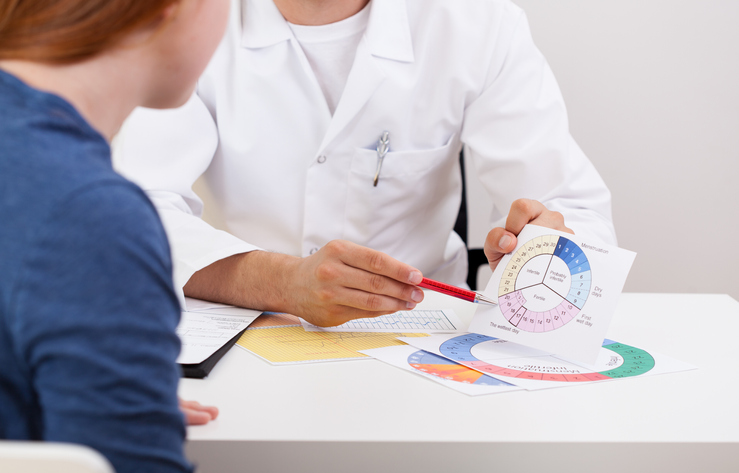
[652,88]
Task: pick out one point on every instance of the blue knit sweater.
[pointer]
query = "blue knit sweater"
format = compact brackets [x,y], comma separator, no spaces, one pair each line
[87,308]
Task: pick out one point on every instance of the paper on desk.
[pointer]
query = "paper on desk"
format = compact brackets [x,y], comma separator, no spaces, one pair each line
[439,369]
[279,339]
[532,369]
[408,321]
[196,305]
[203,333]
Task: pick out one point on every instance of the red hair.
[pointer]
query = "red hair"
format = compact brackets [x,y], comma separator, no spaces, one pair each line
[68,31]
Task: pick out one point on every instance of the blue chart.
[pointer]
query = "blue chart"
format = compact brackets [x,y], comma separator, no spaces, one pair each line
[545,284]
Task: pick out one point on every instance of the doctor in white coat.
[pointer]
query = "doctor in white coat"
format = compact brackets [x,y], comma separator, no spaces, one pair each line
[320,217]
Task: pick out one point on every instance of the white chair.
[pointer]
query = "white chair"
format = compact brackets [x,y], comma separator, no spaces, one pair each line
[48,457]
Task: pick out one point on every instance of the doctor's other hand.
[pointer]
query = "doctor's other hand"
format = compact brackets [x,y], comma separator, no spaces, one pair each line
[344,281]
[197,414]
[501,241]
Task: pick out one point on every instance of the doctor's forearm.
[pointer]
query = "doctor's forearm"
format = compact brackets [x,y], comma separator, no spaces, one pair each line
[340,282]
[255,280]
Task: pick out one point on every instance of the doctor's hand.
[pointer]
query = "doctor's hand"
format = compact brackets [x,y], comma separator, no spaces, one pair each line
[344,281]
[340,282]
[501,241]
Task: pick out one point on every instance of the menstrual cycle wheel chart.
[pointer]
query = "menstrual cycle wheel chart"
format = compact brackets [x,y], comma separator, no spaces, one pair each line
[623,361]
[545,284]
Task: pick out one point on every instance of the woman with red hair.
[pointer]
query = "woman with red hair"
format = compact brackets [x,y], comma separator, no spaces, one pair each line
[87,308]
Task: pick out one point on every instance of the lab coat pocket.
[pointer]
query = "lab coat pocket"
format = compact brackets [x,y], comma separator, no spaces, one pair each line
[413,191]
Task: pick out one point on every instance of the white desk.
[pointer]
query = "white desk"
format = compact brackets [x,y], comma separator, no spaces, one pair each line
[366,416]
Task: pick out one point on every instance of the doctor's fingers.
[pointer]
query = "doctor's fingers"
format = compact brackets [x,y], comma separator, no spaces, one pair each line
[498,242]
[553,220]
[339,314]
[335,280]
[355,303]
[524,211]
[375,284]
[373,261]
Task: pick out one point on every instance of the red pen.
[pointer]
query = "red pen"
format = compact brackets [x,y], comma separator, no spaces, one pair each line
[454,291]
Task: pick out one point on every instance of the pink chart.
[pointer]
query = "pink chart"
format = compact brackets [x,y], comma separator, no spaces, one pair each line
[545,284]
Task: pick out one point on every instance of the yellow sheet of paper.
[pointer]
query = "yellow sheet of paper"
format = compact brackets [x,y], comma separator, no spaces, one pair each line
[292,344]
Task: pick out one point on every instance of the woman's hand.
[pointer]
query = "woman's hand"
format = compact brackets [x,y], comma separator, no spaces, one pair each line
[197,414]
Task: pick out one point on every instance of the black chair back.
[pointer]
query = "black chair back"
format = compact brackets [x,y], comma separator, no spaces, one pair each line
[475,256]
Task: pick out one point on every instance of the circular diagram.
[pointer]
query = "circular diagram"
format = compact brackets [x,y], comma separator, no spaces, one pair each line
[616,360]
[441,367]
[545,284]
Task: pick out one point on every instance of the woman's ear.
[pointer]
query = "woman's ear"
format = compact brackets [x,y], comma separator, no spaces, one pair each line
[169,13]
[166,16]
[149,32]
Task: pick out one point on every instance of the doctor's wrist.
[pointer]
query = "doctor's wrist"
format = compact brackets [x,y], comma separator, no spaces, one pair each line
[255,280]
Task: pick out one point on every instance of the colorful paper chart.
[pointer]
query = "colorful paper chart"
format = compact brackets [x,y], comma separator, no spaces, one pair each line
[285,343]
[533,369]
[624,361]
[545,284]
[556,292]
[440,370]
[443,368]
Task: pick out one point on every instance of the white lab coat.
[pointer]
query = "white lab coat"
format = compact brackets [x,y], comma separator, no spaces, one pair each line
[286,176]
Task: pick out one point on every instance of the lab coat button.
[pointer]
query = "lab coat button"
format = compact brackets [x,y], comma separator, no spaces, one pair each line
[321,159]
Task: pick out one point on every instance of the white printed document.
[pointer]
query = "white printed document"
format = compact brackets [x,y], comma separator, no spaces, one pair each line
[407,321]
[203,332]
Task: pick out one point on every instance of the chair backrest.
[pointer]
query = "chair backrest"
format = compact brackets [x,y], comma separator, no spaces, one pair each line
[49,457]
[475,256]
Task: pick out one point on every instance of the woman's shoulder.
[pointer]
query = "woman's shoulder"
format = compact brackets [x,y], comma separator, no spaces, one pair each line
[52,158]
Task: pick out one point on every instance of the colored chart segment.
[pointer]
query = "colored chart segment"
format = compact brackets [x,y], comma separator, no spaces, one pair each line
[636,361]
[443,368]
[545,284]
[625,360]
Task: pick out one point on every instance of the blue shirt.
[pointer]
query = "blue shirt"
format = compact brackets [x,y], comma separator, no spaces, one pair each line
[87,307]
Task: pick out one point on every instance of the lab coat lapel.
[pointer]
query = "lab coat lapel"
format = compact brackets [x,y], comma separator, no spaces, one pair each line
[262,24]
[387,38]
[364,79]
